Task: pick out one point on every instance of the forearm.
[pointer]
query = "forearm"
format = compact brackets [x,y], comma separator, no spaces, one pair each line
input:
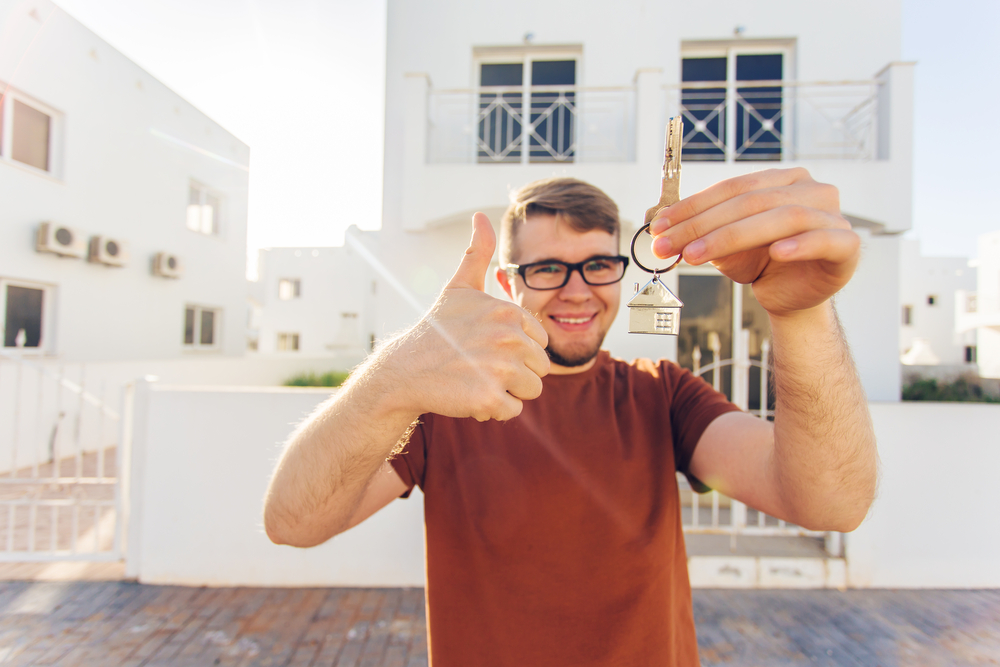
[824,460]
[331,457]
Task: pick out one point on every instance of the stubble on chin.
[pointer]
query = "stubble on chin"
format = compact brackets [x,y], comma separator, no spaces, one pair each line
[571,359]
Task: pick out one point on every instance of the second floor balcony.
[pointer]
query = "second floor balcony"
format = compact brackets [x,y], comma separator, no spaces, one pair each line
[759,121]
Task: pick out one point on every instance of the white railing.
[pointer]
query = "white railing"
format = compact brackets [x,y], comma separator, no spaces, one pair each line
[531,124]
[722,515]
[777,120]
[59,463]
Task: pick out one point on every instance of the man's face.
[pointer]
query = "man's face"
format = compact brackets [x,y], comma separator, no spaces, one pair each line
[577,316]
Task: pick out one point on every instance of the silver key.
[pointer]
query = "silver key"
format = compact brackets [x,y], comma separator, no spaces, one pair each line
[655,309]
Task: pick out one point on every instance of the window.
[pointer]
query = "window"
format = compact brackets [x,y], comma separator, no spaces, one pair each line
[725,120]
[288,342]
[289,288]
[201,327]
[26,309]
[27,131]
[527,95]
[907,315]
[932,299]
[203,210]
[970,354]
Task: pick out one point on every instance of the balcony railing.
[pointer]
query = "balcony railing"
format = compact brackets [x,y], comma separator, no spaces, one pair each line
[745,121]
[777,120]
[531,125]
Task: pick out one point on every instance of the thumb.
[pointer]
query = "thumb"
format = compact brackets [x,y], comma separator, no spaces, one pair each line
[476,262]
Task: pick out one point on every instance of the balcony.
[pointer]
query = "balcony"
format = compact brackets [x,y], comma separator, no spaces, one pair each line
[974,311]
[770,121]
[463,148]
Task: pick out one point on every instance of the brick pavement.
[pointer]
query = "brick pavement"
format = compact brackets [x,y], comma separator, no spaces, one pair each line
[112,623]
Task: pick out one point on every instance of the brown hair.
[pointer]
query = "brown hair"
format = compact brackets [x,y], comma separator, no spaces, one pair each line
[581,205]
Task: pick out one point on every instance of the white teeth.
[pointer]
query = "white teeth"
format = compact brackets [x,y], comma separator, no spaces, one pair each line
[572,320]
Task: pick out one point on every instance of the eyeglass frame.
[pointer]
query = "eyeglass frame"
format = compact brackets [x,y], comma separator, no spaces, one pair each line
[520,270]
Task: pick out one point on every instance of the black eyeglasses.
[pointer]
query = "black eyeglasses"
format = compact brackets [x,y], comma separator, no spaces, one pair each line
[553,274]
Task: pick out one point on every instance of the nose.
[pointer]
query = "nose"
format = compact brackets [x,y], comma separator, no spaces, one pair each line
[575,288]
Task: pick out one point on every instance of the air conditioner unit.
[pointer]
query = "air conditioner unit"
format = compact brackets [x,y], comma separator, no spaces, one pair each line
[167,265]
[61,240]
[106,250]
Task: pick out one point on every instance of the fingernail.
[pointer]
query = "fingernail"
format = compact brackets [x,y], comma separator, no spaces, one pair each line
[695,250]
[786,247]
[661,247]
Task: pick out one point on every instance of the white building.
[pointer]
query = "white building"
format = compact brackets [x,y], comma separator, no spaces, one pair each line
[927,289]
[595,86]
[97,152]
[318,301]
[979,310]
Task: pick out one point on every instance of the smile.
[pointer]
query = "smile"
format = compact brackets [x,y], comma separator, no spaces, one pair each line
[573,320]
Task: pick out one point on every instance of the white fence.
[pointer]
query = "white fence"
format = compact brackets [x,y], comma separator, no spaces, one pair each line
[59,497]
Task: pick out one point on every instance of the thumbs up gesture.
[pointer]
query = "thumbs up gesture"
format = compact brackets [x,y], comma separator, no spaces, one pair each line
[473,355]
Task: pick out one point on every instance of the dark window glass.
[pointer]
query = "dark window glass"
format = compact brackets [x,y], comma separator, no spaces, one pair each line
[207,328]
[553,112]
[907,314]
[970,354]
[758,109]
[704,109]
[24,313]
[30,144]
[553,73]
[189,326]
[500,113]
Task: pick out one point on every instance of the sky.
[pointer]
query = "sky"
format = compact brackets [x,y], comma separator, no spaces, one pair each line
[303,83]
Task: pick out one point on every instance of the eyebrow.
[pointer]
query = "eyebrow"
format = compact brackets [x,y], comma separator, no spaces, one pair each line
[554,259]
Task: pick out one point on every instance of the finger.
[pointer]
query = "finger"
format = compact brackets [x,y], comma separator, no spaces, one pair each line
[534,329]
[472,271]
[838,246]
[505,407]
[723,191]
[537,360]
[525,385]
[759,231]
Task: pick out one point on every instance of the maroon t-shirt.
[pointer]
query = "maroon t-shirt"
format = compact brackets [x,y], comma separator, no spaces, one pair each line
[554,539]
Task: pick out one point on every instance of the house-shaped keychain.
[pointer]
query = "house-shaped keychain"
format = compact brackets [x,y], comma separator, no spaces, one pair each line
[654,309]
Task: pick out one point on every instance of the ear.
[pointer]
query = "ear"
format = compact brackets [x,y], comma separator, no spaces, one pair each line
[504,281]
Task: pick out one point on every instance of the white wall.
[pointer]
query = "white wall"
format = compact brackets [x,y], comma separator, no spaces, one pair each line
[201,463]
[131,147]
[921,277]
[934,524]
[202,458]
[988,299]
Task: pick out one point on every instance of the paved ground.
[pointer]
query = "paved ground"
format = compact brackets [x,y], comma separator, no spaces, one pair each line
[119,623]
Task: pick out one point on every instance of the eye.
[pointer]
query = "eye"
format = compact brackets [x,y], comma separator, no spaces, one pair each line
[545,269]
[601,264]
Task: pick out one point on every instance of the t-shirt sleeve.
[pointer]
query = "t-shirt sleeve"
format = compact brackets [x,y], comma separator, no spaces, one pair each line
[409,464]
[694,405]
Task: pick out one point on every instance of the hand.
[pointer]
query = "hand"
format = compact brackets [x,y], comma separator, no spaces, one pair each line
[473,355]
[778,229]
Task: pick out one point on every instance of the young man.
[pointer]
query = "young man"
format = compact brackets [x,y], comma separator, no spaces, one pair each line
[551,503]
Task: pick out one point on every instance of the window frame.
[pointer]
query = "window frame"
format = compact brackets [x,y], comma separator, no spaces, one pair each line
[205,191]
[525,56]
[196,345]
[46,345]
[730,49]
[296,284]
[290,335]
[54,156]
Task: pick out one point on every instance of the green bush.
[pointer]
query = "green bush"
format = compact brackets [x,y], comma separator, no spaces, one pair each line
[963,390]
[331,379]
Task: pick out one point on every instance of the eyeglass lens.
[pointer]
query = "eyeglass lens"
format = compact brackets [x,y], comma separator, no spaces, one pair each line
[597,271]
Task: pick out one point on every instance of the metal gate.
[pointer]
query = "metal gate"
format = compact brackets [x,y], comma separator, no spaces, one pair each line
[60,497]
[722,515]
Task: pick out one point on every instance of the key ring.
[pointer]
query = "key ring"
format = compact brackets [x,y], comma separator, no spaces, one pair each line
[655,272]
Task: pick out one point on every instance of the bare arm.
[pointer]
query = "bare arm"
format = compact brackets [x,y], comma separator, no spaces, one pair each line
[470,356]
[782,232]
